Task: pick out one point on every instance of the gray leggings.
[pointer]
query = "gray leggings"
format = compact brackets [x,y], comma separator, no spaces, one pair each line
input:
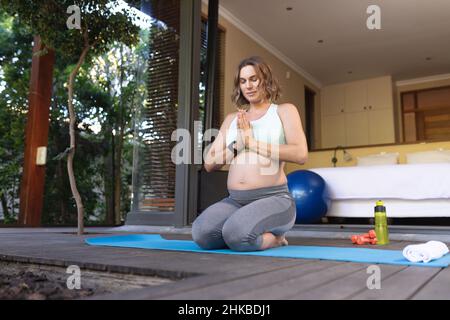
[238,221]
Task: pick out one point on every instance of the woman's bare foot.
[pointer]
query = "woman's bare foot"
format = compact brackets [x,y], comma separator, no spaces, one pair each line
[272,241]
[282,240]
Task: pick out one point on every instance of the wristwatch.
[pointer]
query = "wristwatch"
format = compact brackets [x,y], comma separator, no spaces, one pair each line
[232,148]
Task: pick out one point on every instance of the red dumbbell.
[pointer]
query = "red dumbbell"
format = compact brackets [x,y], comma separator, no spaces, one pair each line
[365,238]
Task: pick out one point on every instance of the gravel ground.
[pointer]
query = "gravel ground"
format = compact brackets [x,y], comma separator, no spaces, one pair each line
[20,281]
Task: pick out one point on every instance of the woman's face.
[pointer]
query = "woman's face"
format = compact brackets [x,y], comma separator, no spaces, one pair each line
[249,84]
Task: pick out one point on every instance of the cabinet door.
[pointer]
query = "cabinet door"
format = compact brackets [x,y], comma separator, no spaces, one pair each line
[379,93]
[381,126]
[355,96]
[333,100]
[333,131]
[356,128]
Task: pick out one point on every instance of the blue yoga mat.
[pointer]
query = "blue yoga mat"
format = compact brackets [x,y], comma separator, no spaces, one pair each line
[363,255]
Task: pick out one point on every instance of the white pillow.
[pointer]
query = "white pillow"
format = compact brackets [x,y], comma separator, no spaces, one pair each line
[439,155]
[379,159]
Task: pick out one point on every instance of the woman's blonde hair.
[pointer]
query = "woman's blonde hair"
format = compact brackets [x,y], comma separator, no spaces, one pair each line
[267,82]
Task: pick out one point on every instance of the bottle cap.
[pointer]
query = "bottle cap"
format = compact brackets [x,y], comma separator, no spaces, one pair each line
[380,206]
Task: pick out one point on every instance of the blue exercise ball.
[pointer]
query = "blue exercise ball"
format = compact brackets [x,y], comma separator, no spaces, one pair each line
[311,195]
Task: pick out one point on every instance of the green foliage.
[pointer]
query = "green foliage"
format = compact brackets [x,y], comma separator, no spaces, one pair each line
[48,18]
[94,103]
[97,107]
[15,58]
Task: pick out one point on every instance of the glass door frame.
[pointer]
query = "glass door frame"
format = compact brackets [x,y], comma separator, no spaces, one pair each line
[186,175]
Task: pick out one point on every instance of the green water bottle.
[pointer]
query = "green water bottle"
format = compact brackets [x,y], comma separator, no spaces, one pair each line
[381,227]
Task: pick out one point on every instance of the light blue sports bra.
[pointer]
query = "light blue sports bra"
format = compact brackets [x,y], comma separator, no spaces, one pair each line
[268,128]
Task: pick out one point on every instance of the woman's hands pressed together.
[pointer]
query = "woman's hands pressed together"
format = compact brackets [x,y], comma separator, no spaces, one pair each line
[245,132]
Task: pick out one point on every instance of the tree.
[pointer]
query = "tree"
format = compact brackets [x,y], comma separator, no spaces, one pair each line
[119,73]
[102,23]
[15,61]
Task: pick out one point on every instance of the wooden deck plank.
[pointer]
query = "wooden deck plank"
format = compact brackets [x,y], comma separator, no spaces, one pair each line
[53,248]
[172,261]
[185,287]
[292,286]
[234,276]
[57,246]
[256,281]
[438,288]
[346,286]
[400,286]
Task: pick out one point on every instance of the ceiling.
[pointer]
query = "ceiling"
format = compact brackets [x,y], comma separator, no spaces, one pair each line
[411,31]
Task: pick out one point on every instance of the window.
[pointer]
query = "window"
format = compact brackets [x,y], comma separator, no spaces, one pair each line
[218,94]
[426,114]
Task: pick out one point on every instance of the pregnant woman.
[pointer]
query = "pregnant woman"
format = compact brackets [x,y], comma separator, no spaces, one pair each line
[256,141]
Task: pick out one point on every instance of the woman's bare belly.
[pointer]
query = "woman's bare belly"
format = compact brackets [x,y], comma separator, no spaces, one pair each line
[251,171]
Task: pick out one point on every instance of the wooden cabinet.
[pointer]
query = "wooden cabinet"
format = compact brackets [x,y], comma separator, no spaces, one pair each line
[355,96]
[356,129]
[334,98]
[379,93]
[381,126]
[369,127]
[333,130]
[358,113]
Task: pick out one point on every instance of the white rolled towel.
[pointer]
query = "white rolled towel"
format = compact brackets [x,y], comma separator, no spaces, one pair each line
[425,252]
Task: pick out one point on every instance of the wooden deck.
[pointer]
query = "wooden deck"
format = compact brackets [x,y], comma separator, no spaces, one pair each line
[222,277]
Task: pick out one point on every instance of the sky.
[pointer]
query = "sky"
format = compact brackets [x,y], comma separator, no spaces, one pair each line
[144,21]
[2,83]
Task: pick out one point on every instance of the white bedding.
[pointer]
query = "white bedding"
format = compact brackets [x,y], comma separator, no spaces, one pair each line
[403,181]
[395,208]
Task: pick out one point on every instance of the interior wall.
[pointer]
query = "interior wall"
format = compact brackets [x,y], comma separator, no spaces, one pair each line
[397,91]
[238,46]
[322,159]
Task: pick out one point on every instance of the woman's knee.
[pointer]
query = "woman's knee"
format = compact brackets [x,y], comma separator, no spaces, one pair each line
[205,235]
[207,228]
[200,233]
[238,238]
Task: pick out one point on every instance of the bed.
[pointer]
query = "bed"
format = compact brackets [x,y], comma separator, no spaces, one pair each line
[408,190]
